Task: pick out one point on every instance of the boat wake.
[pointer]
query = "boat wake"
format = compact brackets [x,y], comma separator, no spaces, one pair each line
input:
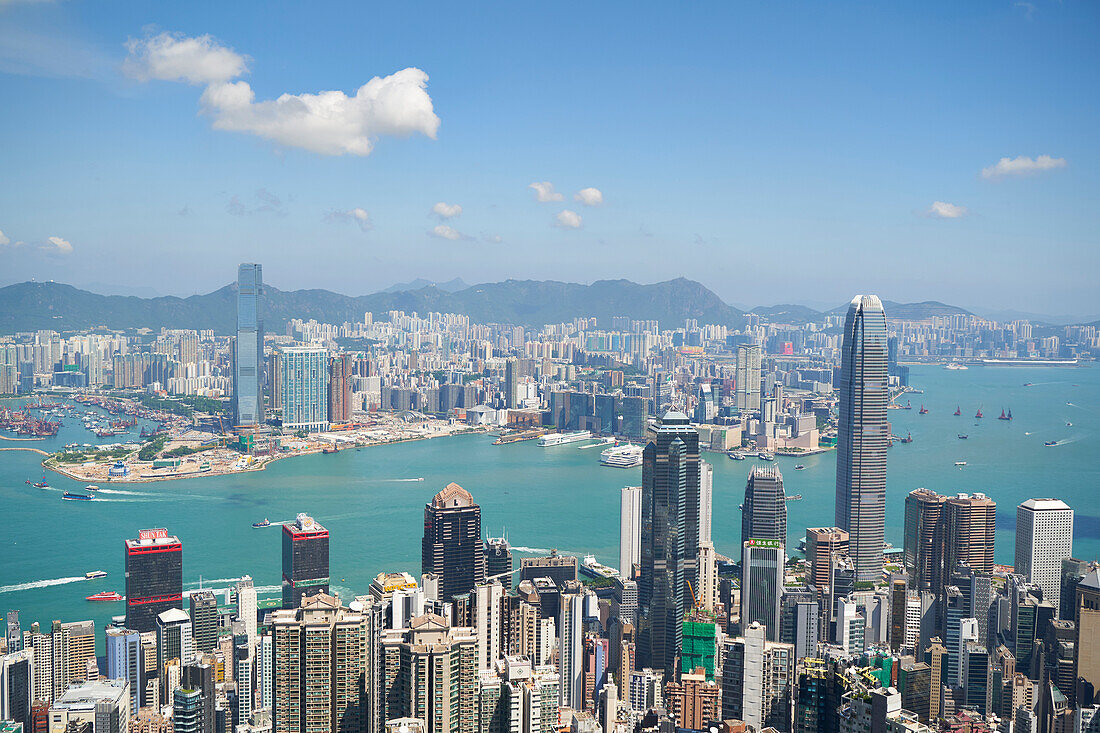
[40,584]
[207,581]
[124,493]
[395,480]
[535,550]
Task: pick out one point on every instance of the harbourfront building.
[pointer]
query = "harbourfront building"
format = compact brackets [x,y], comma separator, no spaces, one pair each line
[248,381]
[630,529]
[863,435]
[452,547]
[305,560]
[304,388]
[1044,537]
[154,577]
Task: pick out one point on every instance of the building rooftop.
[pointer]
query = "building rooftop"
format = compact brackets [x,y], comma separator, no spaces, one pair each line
[84,694]
[452,496]
[173,616]
[1044,505]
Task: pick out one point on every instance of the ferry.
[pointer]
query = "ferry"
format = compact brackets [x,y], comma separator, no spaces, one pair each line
[72,496]
[923,410]
[799,467]
[594,569]
[954,366]
[265,523]
[958,411]
[960,464]
[107,595]
[549,441]
[91,488]
[1004,416]
[95,574]
[796,497]
[623,456]
[736,455]
[765,456]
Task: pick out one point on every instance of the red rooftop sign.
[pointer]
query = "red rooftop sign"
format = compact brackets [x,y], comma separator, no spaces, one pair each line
[153,534]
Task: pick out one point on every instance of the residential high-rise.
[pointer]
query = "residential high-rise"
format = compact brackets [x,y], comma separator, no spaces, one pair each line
[248,382]
[571,650]
[452,547]
[339,389]
[630,529]
[204,620]
[822,545]
[693,701]
[923,511]
[488,623]
[305,560]
[969,523]
[305,386]
[762,564]
[154,577]
[123,647]
[757,679]
[764,513]
[430,673]
[862,435]
[1044,537]
[669,537]
[246,608]
[748,378]
[320,664]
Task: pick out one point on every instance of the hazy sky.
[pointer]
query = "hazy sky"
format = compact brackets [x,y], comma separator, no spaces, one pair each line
[777,152]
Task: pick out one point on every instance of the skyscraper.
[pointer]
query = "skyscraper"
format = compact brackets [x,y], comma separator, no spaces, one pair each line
[1044,537]
[757,679]
[339,389]
[923,511]
[248,383]
[304,388]
[762,563]
[969,524]
[123,647]
[204,620]
[305,560]
[154,577]
[862,435]
[764,513]
[630,529]
[670,537]
[498,560]
[452,546]
[748,378]
[822,545]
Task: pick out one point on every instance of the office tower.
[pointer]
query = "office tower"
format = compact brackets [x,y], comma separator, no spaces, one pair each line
[706,404]
[1073,572]
[822,545]
[102,706]
[175,648]
[488,623]
[1087,626]
[305,560]
[630,529]
[452,546]
[969,523]
[246,608]
[596,654]
[923,510]
[800,621]
[320,665]
[914,683]
[764,513]
[757,679]
[154,577]
[977,677]
[706,584]
[199,677]
[12,632]
[304,388]
[693,701]
[571,650]
[645,690]
[1044,537]
[187,711]
[244,674]
[748,378]
[123,647]
[706,501]
[669,536]
[498,560]
[935,656]
[204,620]
[339,389]
[248,365]
[430,673]
[762,563]
[634,413]
[862,435]
[17,686]
[811,709]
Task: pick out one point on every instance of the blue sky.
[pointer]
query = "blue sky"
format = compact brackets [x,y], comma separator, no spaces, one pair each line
[794,152]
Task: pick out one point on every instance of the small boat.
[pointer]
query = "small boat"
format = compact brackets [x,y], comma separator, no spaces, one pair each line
[1028,384]
[1051,443]
[265,523]
[799,467]
[923,410]
[1005,416]
[908,438]
[107,595]
[91,488]
[978,414]
[73,496]
[908,406]
[796,497]
[958,411]
[960,464]
[1069,425]
[39,484]
[963,437]
[95,574]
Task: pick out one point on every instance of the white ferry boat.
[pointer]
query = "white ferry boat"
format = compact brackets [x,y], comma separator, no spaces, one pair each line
[622,456]
[548,441]
[594,569]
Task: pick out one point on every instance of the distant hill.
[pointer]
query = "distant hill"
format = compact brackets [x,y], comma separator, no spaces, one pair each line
[787,313]
[920,311]
[451,286]
[30,306]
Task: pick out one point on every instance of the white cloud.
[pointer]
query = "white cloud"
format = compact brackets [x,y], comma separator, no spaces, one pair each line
[328,122]
[443,231]
[358,215]
[589,196]
[567,219]
[175,57]
[544,191]
[447,211]
[4,239]
[944,210]
[58,245]
[1022,166]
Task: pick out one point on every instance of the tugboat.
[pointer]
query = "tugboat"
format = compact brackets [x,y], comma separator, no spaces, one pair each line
[923,410]
[265,523]
[958,411]
[1003,416]
[107,595]
[978,415]
[72,496]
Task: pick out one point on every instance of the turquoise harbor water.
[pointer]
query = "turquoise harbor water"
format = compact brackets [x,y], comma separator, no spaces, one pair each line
[372,499]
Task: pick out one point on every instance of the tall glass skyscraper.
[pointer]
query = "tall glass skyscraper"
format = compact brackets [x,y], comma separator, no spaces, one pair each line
[862,435]
[249,354]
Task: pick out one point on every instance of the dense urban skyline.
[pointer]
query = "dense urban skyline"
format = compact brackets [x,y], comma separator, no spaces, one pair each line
[955,141]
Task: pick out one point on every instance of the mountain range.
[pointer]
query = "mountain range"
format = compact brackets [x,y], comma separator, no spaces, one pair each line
[29,306]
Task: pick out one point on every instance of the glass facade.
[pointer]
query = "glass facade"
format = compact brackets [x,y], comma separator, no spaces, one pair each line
[305,387]
[305,561]
[249,354]
[154,578]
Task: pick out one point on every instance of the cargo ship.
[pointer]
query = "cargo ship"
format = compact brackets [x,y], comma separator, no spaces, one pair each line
[72,496]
